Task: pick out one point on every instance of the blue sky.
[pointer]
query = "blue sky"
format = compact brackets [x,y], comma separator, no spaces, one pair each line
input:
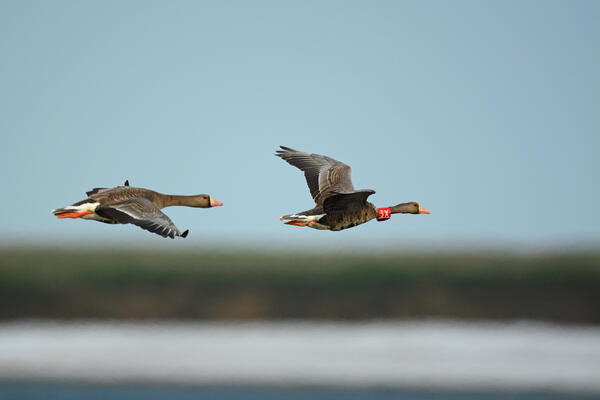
[487,113]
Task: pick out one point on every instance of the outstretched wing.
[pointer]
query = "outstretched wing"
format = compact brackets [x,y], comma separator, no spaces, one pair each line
[143,213]
[340,202]
[323,174]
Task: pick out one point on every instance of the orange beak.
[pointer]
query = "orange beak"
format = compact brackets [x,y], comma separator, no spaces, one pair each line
[214,203]
[423,211]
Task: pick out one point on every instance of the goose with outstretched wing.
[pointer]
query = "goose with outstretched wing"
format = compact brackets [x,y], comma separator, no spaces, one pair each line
[132,205]
[338,205]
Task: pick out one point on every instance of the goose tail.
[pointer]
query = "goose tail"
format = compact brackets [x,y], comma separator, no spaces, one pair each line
[75,211]
[58,211]
[301,218]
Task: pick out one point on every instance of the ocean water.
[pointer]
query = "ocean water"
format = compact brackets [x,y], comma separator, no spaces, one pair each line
[36,391]
[298,359]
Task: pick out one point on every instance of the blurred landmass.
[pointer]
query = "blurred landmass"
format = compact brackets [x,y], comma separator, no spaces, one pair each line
[154,284]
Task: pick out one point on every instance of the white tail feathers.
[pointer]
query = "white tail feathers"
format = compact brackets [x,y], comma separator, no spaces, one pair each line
[80,207]
[302,218]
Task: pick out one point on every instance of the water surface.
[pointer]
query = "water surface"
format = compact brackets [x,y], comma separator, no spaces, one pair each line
[435,356]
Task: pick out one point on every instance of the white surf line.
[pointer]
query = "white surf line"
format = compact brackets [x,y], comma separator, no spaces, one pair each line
[521,356]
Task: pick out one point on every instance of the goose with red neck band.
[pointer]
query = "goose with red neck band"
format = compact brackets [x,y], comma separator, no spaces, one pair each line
[338,205]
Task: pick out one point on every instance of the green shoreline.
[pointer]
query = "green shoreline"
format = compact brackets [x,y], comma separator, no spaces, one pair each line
[146,284]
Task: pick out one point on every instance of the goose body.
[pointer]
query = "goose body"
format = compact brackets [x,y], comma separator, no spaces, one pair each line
[338,205]
[131,205]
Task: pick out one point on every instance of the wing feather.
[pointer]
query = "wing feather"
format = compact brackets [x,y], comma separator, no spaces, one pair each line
[341,202]
[324,175]
[143,213]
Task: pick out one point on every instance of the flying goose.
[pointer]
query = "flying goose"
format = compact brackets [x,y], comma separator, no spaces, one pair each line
[131,205]
[338,205]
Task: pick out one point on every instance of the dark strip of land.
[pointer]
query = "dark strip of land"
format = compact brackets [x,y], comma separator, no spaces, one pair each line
[42,283]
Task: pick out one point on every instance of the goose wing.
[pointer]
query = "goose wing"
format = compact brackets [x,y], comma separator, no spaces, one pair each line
[105,190]
[143,213]
[109,196]
[352,201]
[96,191]
[323,174]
